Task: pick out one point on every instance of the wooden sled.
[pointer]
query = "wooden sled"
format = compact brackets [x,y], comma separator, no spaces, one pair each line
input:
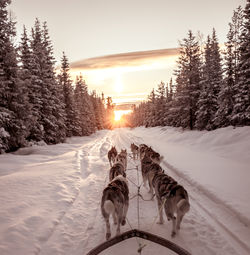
[141,234]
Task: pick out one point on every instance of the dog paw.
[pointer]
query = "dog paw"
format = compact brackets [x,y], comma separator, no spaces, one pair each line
[123,222]
[108,235]
[173,234]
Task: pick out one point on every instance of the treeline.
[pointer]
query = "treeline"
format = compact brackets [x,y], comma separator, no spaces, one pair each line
[211,89]
[36,104]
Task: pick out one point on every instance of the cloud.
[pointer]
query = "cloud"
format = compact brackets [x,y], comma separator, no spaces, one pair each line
[124,59]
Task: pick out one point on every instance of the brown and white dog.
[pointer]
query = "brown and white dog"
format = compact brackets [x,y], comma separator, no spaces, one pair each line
[112,153]
[135,150]
[173,198]
[115,201]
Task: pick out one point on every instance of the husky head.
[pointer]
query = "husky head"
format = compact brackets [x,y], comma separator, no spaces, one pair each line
[113,149]
[123,152]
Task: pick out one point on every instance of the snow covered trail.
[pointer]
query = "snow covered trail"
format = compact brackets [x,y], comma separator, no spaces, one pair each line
[50,195]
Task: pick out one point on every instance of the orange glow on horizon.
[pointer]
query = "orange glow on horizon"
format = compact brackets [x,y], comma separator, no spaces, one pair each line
[119,114]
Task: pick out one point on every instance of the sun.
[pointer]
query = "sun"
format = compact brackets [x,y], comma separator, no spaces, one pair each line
[119,114]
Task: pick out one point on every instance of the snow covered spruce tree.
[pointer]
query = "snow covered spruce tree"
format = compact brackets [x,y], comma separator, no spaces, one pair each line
[151,116]
[211,84]
[188,76]
[72,119]
[84,107]
[241,110]
[29,75]
[99,110]
[160,106]
[55,130]
[169,102]
[231,70]
[14,106]
[51,114]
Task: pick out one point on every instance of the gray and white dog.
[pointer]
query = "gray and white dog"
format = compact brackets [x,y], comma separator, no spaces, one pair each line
[149,160]
[115,201]
[172,197]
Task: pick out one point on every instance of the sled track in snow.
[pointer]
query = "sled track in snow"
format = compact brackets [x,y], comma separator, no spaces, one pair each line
[74,200]
[200,196]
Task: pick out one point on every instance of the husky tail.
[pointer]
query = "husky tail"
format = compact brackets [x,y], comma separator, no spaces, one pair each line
[183,206]
[109,207]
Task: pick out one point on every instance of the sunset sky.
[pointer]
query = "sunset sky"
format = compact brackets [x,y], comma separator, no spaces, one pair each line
[124,48]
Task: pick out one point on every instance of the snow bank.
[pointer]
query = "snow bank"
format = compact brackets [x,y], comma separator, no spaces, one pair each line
[217,161]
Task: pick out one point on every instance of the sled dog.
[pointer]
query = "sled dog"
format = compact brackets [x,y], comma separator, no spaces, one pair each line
[150,159]
[142,148]
[154,169]
[115,201]
[122,157]
[112,153]
[135,150]
[118,168]
[173,198]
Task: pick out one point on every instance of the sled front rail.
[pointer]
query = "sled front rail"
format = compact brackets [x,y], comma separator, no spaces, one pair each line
[141,234]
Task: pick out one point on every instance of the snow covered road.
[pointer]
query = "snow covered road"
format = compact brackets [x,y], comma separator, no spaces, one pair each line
[50,195]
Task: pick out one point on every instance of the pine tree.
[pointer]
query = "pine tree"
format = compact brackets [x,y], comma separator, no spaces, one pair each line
[84,107]
[31,81]
[225,97]
[241,111]
[171,92]
[236,27]
[160,107]
[151,110]
[14,106]
[53,107]
[211,85]
[188,83]
[99,110]
[169,109]
[51,112]
[72,121]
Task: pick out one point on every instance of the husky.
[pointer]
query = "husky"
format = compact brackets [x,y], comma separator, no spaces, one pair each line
[154,169]
[150,159]
[145,166]
[115,201]
[135,150]
[118,168]
[173,198]
[112,153]
[142,148]
[122,157]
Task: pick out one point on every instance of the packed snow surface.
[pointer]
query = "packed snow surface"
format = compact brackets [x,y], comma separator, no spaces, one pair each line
[50,195]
